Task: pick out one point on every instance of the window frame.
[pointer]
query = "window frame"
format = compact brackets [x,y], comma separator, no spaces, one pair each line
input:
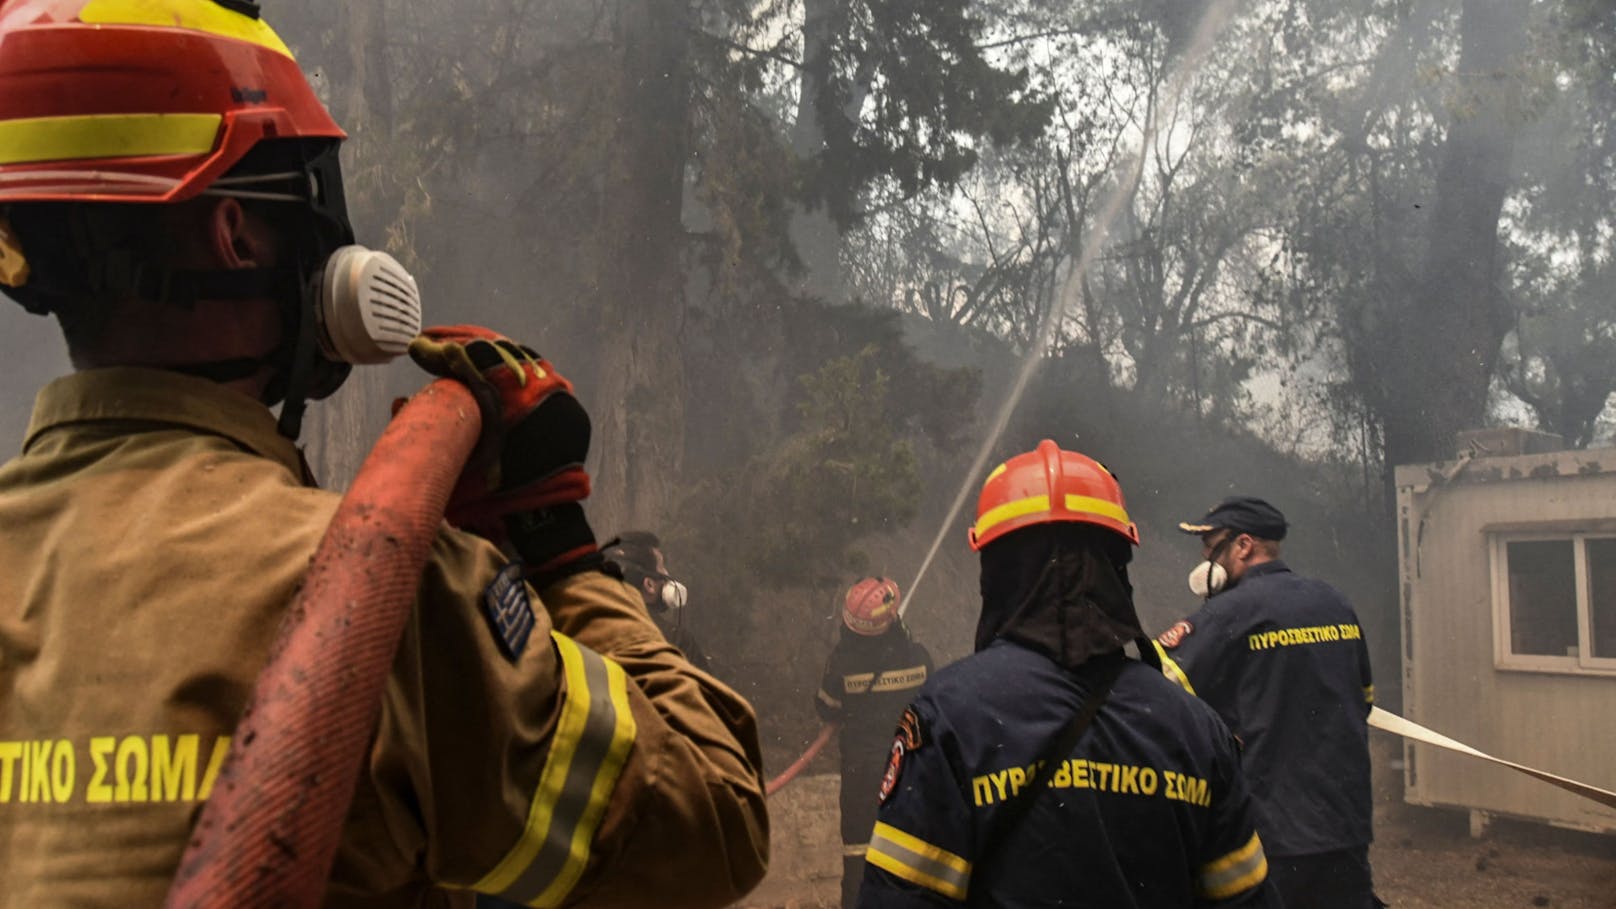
[1503,656]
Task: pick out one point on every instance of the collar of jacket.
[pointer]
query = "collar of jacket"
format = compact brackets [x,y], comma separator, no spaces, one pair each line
[160,398]
[1272,566]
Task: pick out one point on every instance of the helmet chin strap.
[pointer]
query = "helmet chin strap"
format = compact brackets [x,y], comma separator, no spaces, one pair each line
[308,374]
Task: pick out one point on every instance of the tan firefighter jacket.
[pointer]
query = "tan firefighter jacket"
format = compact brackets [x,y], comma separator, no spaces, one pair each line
[151,535]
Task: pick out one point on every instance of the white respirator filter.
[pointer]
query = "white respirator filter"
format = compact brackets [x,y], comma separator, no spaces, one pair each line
[674,595]
[370,308]
[1208,578]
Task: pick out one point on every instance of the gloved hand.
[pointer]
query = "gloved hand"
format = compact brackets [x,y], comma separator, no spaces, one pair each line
[526,479]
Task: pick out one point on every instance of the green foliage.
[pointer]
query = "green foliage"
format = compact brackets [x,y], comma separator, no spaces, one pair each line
[845,474]
[901,95]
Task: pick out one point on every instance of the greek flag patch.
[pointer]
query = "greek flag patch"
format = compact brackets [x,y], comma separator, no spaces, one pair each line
[509,611]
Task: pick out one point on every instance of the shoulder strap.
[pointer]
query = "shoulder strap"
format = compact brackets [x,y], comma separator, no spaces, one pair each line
[1016,810]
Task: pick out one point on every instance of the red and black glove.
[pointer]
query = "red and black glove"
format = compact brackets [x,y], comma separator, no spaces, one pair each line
[526,479]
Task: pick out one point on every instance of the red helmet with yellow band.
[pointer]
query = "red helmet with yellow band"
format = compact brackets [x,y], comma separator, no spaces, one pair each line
[141,100]
[1049,485]
[871,606]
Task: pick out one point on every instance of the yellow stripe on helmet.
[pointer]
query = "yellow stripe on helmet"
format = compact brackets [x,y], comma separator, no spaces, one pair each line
[89,136]
[1100,507]
[1010,511]
[184,14]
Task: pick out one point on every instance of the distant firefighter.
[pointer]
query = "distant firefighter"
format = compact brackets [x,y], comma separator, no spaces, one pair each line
[871,674]
[638,555]
[1282,659]
[1048,768]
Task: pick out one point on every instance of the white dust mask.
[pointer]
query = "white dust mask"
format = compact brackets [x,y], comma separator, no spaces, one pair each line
[1208,578]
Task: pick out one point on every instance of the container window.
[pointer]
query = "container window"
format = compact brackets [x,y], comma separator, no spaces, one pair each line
[1601,556]
[1542,598]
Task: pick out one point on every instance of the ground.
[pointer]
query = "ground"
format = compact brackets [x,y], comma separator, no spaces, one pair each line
[1424,858]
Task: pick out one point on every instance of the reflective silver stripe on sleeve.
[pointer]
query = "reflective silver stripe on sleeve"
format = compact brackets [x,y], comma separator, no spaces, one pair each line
[919,862]
[1234,873]
[591,743]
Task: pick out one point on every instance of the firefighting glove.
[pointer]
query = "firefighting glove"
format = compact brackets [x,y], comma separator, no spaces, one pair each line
[526,479]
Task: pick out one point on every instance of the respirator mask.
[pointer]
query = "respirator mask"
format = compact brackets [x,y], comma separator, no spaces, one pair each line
[359,308]
[341,305]
[672,595]
[1209,577]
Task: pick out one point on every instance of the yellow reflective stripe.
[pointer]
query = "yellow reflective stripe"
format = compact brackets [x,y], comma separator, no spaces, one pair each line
[1369,694]
[918,861]
[1196,528]
[996,471]
[899,679]
[192,16]
[1234,873]
[1009,510]
[1091,505]
[30,139]
[857,683]
[587,752]
[1171,669]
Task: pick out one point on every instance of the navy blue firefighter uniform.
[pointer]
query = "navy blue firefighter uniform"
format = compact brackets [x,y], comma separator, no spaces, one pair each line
[874,670]
[1282,658]
[1150,810]
[1048,768]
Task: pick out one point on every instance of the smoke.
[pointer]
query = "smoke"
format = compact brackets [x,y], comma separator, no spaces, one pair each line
[1203,38]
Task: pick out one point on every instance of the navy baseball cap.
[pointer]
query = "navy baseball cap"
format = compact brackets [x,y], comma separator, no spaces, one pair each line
[1241,514]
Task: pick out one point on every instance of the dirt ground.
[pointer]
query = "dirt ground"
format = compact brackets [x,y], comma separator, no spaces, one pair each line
[1424,858]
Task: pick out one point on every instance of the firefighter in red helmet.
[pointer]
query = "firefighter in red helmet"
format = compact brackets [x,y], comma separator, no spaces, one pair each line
[1048,768]
[874,669]
[169,191]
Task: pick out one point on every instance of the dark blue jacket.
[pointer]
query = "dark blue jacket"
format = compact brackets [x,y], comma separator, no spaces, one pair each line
[868,680]
[1283,660]
[1148,810]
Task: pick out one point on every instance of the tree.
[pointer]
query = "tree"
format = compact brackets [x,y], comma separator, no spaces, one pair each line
[1560,357]
[894,97]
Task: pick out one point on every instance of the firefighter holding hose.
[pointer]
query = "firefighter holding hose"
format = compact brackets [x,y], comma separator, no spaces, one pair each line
[1048,768]
[170,192]
[874,669]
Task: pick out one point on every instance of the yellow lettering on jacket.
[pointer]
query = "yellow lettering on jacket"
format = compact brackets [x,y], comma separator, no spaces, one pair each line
[36,773]
[1311,634]
[9,753]
[100,747]
[128,769]
[221,747]
[64,770]
[173,771]
[1100,776]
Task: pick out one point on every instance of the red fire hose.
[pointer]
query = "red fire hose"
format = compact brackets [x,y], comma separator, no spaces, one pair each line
[807,757]
[269,834]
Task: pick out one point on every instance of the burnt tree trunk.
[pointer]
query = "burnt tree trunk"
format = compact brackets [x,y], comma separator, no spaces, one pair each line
[1439,354]
[814,233]
[340,430]
[639,406]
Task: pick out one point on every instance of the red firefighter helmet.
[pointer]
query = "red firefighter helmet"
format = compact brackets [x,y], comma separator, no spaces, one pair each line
[871,606]
[1048,485]
[141,100]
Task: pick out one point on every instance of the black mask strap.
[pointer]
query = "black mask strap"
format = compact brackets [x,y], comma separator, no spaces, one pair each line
[225,370]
